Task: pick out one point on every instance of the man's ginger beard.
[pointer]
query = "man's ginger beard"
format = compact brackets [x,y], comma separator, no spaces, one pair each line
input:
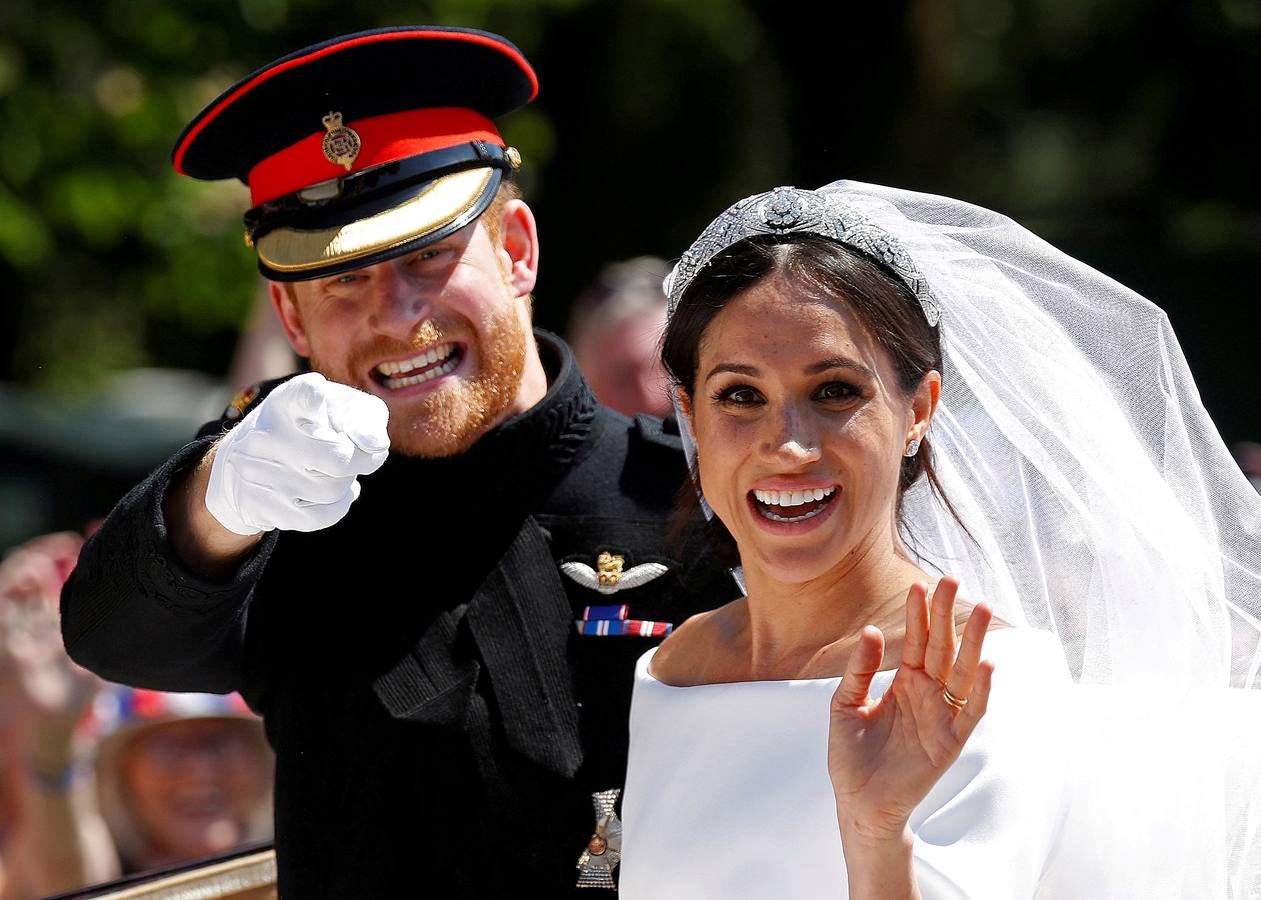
[449,420]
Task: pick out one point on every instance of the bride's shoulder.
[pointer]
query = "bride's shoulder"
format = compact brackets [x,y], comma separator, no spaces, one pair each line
[691,650]
[1019,648]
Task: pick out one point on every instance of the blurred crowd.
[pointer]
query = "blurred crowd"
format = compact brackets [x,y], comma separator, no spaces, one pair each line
[98,779]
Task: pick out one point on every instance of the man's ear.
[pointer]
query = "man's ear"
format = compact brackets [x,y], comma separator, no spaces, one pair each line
[282,299]
[519,248]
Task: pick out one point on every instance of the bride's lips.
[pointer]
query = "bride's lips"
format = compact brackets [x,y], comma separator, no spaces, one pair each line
[420,372]
[793,509]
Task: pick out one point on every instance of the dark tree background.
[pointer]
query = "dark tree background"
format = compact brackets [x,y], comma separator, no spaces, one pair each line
[1117,129]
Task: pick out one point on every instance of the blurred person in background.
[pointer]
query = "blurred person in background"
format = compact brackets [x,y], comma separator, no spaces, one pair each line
[615,330]
[98,778]
[52,835]
[180,776]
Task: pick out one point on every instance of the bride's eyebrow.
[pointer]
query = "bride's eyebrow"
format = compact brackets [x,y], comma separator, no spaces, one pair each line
[736,368]
[823,365]
[839,362]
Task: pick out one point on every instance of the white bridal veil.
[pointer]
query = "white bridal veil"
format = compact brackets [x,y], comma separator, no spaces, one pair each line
[1102,505]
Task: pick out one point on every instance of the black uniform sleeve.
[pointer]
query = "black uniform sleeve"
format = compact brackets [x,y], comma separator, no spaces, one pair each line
[132,613]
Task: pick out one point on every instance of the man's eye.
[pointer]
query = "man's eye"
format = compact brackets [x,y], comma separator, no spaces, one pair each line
[348,278]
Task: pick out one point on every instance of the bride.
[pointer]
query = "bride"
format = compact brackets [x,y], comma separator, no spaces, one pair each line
[885,396]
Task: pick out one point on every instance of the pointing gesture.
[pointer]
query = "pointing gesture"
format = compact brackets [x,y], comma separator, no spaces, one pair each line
[293,463]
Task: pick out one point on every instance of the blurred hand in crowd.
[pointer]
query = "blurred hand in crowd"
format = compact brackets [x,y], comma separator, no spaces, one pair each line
[51,838]
[39,684]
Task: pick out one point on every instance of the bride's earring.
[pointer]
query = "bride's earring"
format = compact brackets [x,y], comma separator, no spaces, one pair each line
[912,448]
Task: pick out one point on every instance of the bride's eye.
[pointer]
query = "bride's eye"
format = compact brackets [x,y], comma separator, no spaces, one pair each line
[738,395]
[837,390]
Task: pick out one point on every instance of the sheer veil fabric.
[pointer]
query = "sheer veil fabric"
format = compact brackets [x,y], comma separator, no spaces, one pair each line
[1101,505]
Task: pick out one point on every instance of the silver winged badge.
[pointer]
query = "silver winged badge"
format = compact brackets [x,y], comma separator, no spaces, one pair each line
[609,577]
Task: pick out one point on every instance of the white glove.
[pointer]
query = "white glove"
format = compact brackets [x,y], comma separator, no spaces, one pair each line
[293,463]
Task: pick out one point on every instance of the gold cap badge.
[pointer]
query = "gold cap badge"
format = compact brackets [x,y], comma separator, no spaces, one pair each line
[341,144]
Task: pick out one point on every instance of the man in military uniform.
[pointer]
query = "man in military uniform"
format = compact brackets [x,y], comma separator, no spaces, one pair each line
[444,663]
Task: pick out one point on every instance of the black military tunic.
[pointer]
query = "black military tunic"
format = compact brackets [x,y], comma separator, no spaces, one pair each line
[440,725]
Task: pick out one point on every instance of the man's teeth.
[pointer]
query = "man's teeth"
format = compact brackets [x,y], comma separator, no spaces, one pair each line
[445,352]
[793,498]
[442,351]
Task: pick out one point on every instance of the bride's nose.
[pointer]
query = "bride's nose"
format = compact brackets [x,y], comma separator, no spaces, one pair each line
[789,437]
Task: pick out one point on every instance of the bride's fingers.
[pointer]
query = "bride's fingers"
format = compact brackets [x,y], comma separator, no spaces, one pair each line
[965,666]
[864,662]
[916,640]
[940,653]
[965,723]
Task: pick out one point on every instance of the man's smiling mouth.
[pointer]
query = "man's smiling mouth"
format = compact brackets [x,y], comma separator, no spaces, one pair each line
[433,363]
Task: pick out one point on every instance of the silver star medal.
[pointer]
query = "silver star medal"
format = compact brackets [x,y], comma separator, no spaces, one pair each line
[604,851]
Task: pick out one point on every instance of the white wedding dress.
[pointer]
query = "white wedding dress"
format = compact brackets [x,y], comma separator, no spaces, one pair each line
[728,794]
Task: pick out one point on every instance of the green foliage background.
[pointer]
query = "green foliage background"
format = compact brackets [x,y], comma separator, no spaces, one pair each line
[1115,128]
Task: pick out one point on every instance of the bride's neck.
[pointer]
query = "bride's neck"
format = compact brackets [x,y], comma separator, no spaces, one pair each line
[790,624]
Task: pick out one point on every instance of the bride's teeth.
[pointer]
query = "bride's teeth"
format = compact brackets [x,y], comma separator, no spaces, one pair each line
[793,498]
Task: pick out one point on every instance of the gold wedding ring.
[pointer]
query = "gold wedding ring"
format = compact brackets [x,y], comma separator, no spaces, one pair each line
[955,703]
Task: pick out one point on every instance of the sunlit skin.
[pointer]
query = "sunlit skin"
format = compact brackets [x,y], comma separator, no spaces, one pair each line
[469,291]
[192,786]
[792,393]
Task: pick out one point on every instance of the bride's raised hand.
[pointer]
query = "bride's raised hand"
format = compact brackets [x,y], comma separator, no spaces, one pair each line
[884,755]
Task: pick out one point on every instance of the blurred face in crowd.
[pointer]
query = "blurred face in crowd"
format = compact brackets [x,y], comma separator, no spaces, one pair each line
[441,334]
[622,364]
[193,785]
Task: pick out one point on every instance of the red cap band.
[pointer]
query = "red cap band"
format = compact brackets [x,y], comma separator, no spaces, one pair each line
[383,139]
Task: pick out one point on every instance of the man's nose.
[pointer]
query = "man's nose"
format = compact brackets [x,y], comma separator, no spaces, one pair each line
[399,306]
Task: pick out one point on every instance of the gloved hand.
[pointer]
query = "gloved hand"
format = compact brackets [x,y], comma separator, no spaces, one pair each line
[293,462]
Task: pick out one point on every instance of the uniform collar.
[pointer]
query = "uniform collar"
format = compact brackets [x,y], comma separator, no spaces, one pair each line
[554,429]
